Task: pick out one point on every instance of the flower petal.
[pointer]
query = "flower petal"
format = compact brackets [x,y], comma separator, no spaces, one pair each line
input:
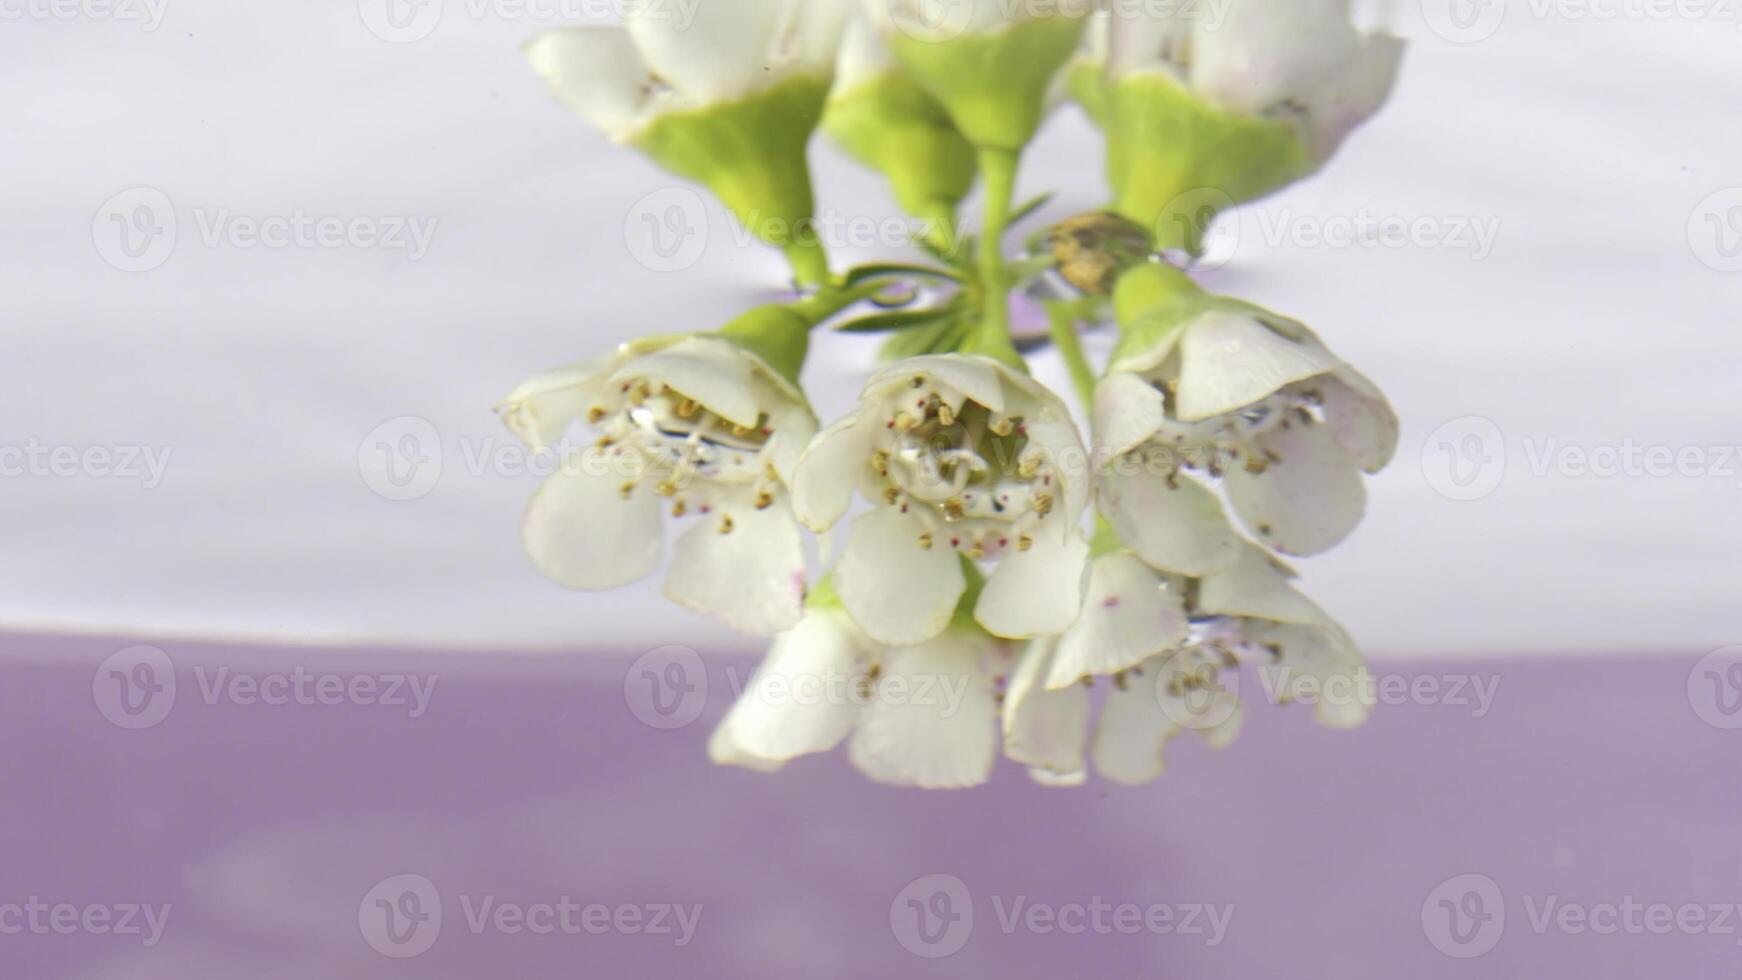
[1176,528]
[1130,742]
[897,590]
[972,376]
[805,697]
[1128,411]
[722,50]
[583,533]
[1037,592]
[596,72]
[1325,663]
[1363,420]
[711,371]
[1305,501]
[1359,90]
[541,409]
[933,721]
[1131,614]
[1229,360]
[1047,731]
[1254,588]
[1268,51]
[829,471]
[724,749]
[752,578]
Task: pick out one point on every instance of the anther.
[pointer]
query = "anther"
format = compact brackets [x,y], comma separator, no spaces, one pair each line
[764,500]
[596,415]
[726,524]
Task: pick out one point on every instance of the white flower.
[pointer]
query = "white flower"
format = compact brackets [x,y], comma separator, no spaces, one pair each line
[1211,387]
[1299,61]
[1172,645]
[697,424]
[923,715]
[622,77]
[963,456]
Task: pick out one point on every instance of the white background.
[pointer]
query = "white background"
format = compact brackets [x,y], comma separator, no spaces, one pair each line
[1592,141]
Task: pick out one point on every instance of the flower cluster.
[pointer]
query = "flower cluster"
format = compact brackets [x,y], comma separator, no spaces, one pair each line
[1005,584]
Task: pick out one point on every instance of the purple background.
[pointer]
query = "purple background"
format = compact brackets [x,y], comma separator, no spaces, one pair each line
[530,778]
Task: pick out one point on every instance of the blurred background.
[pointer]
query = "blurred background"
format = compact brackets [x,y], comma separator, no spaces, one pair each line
[245,446]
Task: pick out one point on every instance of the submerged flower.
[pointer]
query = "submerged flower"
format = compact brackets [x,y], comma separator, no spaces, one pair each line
[1204,108]
[923,715]
[724,92]
[964,457]
[700,426]
[1172,646]
[1206,387]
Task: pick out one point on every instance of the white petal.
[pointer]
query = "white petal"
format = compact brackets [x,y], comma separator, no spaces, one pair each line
[811,34]
[1359,90]
[1230,360]
[1131,740]
[1230,717]
[720,51]
[828,472]
[1061,445]
[1131,614]
[975,377]
[541,409]
[1269,51]
[1363,420]
[897,590]
[1254,588]
[933,721]
[1037,592]
[711,371]
[596,72]
[1046,730]
[1324,662]
[1148,41]
[581,531]
[864,57]
[753,578]
[1128,410]
[724,749]
[805,697]
[1306,501]
[1178,528]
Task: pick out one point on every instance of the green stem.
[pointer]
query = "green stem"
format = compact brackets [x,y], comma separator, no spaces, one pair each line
[818,307]
[1062,319]
[998,176]
[809,261]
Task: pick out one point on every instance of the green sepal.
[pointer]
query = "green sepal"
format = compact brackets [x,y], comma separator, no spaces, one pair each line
[1086,84]
[994,85]
[1152,302]
[823,595]
[1175,161]
[750,153]
[891,125]
[963,619]
[777,335]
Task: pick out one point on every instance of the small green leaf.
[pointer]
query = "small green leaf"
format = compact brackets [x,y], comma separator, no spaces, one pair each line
[1027,210]
[875,270]
[898,320]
